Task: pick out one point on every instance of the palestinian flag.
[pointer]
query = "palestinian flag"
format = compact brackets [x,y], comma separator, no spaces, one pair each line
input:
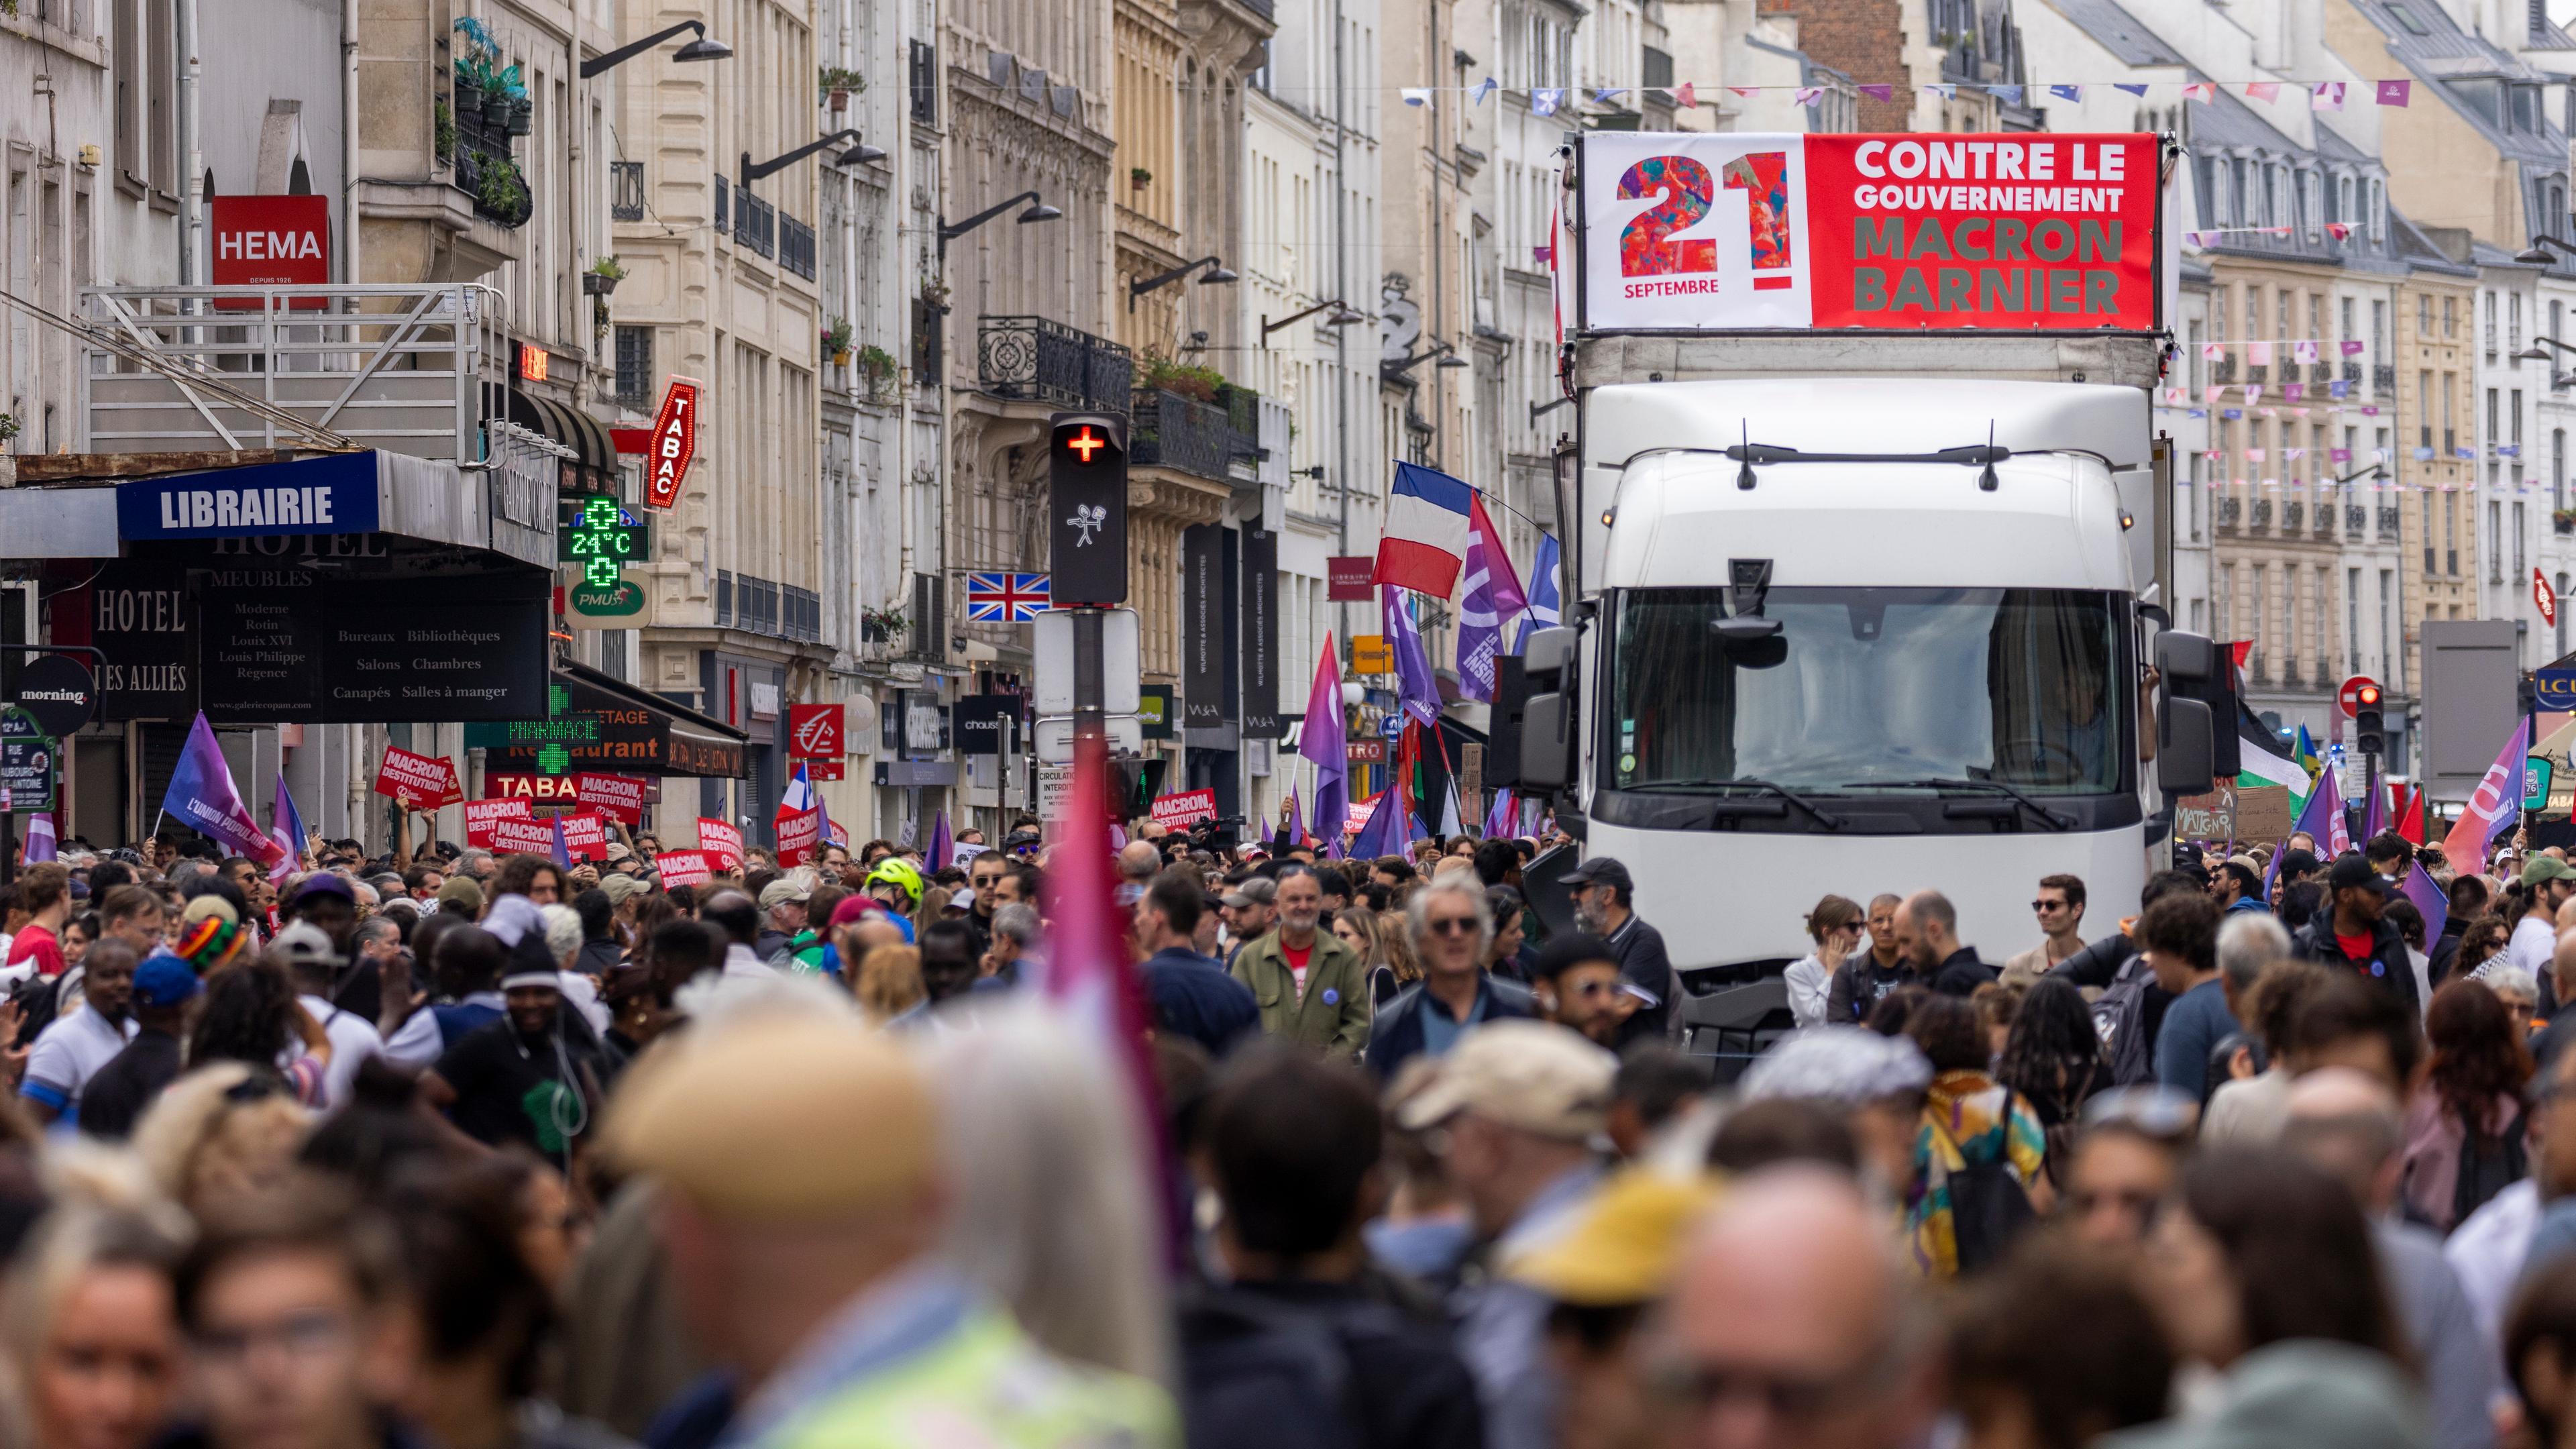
[2263,760]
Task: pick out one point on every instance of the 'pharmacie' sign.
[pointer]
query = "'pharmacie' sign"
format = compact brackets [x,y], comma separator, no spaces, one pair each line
[311,495]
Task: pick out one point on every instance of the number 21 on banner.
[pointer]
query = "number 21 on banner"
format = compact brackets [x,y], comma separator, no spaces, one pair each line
[1688,192]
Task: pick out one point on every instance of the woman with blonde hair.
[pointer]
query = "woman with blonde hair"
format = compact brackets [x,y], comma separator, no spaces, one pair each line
[93,1327]
[888,985]
[1047,1176]
[1834,925]
[222,1130]
[1395,939]
[1357,928]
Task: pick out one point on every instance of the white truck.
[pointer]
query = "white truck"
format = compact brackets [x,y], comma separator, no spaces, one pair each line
[1863,576]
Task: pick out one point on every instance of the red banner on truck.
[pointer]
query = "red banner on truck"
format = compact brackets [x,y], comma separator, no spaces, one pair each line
[1719,232]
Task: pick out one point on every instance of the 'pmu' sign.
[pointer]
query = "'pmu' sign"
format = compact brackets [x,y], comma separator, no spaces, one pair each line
[271,241]
[674,442]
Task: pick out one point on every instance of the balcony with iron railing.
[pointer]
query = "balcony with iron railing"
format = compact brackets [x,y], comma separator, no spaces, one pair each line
[2356,520]
[2223,371]
[2260,516]
[2293,517]
[2388,524]
[1170,430]
[2383,380]
[1041,360]
[2231,511]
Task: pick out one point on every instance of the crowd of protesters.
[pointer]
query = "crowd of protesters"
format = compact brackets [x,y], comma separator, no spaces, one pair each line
[1416,1151]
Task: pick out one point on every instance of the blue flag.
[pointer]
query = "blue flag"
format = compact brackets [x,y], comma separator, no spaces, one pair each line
[1382,835]
[559,851]
[1546,596]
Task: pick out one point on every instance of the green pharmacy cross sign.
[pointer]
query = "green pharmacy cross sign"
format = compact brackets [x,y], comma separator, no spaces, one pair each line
[602,537]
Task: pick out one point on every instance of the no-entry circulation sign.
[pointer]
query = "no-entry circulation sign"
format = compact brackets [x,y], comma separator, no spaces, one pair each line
[1713,231]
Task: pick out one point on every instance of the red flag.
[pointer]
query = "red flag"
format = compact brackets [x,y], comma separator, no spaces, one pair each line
[1089,972]
[2238,649]
[2410,818]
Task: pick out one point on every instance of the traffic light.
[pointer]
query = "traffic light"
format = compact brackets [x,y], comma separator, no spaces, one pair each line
[1087,508]
[2368,733]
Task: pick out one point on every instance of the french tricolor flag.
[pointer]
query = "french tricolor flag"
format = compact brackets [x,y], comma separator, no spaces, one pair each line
[1424,543]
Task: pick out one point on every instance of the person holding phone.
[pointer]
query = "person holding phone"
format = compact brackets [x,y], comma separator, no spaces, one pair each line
[1834,925]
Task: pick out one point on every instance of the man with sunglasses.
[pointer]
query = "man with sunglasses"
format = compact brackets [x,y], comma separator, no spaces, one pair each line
[2060,909]
[1793,1324]
[1452,925]
[1576,984]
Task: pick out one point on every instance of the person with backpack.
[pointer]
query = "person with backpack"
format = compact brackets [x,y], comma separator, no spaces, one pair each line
[1304,1345]
[1979,1154]
[2131,1006]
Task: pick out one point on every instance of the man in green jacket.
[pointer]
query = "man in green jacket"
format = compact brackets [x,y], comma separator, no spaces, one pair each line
[1313,988]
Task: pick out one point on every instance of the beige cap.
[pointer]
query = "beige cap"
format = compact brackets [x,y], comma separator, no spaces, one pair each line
[1542,1079]
[778,1118]
[782,890]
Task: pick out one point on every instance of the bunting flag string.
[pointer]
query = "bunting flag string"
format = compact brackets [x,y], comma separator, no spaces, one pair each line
[2321,95]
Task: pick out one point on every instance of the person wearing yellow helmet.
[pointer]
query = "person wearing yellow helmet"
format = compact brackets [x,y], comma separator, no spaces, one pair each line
[897,883]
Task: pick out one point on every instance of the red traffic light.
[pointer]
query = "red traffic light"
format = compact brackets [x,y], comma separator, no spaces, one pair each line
[2367,696]
[1086,442]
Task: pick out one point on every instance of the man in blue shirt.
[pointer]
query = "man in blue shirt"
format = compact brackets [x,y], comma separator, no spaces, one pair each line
[1190,995]
[2178,936]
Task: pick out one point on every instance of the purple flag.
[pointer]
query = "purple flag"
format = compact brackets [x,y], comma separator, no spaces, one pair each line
[2323,823]
[1320,739]
[1498,820]
[286,827]
[1493,598]
[560,852]
[2426,892]
[942,844]
[1415,686]
[40,837]
[202,796]
[2374,817]
[1382,835]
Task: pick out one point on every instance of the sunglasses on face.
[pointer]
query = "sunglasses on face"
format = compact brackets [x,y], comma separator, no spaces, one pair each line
[2046,906]
[1451,925]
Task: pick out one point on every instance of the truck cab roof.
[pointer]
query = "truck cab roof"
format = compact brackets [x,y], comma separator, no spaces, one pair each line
[1866,415]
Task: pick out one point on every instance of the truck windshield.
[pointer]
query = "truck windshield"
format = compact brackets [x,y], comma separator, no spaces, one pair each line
[1864,689]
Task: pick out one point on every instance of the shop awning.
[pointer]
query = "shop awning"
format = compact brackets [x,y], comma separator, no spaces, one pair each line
[570,426]
[610,726]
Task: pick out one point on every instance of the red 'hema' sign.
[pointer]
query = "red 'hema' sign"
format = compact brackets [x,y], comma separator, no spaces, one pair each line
[1722,231]
[674,443]
[271,241]
[813,732]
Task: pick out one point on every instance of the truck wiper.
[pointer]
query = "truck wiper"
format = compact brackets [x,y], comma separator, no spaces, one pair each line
[2055,819]
[1824,817]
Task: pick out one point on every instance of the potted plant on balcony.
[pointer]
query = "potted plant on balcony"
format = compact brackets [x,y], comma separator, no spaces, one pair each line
[836,341]
[603,277]
[877,363]
[880,626]
[838,84]
[501,193]
[1187,379]
[1139,178]
[443,129]
[2563,519]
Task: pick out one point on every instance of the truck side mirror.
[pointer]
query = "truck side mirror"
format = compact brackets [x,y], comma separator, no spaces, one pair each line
[2185,657]
[1551,652]
[1547,739]
[2186,737]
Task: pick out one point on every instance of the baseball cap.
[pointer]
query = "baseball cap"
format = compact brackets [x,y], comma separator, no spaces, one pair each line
[462,896]
[2296,863]
[1259,890]
[620,888]
[2352,870]
[2541,869]
[1624,1248]
[1600,870]
[964,900]
[325,883]
[305,944]
[164,979]
[781,891]
[1542,1079]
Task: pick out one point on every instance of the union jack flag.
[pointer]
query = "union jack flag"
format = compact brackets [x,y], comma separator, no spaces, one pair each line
[1003,598]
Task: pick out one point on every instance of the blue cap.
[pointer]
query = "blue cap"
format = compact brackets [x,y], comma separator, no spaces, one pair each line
[164,979]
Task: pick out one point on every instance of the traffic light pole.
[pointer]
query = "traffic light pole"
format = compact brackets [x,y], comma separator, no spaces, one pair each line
[1090,675]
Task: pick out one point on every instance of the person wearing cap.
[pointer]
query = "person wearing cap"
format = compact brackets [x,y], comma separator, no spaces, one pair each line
[1187,991]
[353,1037]
[1523,1102]
[538,1075]
[1293,1149]
[1605,901]
[2351,932]
[1311,985]
[71,1049]
[1250,910]
[782,911]
[2544,886]
[120,1091]
[1601,1279]
[802,1212]
[461,897]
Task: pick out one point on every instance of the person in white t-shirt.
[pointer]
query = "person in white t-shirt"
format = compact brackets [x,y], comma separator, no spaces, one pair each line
[309,953]
[71,1049]
[2546,884]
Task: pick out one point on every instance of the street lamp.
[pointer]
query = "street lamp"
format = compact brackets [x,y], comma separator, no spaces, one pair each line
[1346,315]
[1216,273]
[698,49]
[2537,254]
[2537,352]
[855,156]
[1447,354]
[1038,211]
